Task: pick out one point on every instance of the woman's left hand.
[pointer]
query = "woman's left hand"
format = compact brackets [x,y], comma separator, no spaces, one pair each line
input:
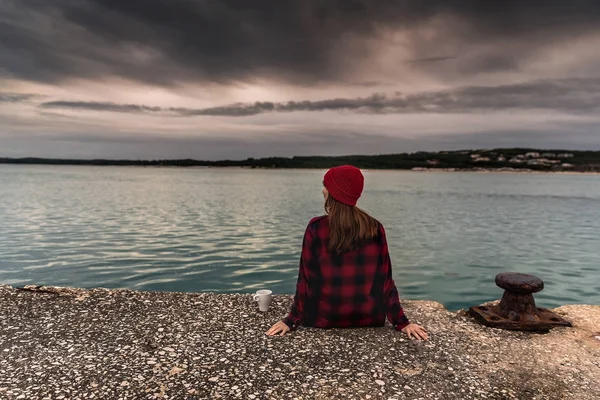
[280,328]
[416,331]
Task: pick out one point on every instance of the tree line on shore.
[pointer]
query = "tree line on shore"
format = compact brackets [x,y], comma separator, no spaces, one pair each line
[459,160]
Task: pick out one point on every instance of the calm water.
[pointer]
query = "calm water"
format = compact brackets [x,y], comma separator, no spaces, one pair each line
[233,230]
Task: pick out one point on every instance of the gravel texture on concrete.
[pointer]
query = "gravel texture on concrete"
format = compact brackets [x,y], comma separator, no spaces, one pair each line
[61,343]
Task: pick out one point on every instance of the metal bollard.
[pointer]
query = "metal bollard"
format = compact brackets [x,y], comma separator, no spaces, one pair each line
[517,309]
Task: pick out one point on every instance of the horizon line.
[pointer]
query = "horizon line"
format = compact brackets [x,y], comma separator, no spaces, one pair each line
[301,156]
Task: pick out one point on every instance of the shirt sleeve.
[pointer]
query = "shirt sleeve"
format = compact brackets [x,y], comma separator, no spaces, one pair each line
[296,315]
[394,311]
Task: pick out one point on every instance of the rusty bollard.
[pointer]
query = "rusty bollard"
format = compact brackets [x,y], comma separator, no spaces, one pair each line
[517,310]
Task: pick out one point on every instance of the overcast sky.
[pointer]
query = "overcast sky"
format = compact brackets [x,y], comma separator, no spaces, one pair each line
[215,79]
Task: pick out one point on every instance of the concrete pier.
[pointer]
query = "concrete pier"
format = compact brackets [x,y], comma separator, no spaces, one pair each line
[62,343]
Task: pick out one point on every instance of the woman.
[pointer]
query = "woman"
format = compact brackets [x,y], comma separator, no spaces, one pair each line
[345,278]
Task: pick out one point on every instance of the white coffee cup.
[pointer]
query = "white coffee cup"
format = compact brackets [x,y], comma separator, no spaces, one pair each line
[264,299]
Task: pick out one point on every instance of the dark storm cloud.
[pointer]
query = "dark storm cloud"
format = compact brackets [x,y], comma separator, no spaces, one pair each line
[97,106]
[428,60]
[565,95]
[14,97]
[165,42]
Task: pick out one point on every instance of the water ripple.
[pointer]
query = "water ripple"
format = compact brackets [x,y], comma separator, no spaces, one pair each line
[236,230]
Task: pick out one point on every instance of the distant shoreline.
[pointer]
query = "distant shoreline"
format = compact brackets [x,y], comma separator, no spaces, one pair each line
[512,160]
[516,172]
[422,171]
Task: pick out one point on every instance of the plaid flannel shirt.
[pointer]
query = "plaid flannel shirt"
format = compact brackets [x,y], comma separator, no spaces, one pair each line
[351,289]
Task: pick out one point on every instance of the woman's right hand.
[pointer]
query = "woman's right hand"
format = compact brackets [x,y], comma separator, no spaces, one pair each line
[416,331]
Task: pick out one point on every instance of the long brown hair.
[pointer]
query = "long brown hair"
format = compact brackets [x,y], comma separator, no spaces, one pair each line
[349,226]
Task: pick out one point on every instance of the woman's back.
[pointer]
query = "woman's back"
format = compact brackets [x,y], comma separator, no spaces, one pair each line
[347,287]
[345,274]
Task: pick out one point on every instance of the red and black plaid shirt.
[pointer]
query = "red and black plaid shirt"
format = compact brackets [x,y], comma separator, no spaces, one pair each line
[350,289]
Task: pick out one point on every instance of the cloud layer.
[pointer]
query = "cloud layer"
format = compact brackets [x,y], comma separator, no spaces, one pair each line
[239,78]
[567,95]
[302,41]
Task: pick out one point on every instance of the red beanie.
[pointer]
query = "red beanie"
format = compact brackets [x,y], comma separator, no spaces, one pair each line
[345,184]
